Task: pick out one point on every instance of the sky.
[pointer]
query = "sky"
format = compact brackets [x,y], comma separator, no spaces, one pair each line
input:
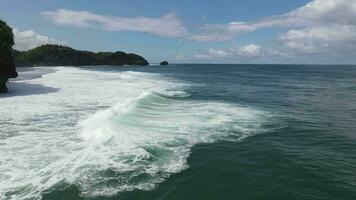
[198,31]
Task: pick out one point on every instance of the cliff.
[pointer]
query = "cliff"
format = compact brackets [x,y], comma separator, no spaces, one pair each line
[7,65]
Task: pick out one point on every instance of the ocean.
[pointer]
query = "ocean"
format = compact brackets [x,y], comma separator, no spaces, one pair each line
[180,132]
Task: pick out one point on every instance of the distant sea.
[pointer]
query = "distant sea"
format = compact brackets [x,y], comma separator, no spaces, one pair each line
[180,132]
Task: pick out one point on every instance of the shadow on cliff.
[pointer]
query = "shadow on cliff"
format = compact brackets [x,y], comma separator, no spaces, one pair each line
[27,89]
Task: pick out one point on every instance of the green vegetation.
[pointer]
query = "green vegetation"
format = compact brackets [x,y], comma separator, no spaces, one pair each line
[7,66]
[57,55]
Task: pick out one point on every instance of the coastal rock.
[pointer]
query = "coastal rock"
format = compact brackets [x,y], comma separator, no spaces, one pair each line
[164,63]
[7,65]
[3,88]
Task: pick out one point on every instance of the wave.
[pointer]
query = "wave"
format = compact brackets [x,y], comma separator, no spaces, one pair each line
[133,145]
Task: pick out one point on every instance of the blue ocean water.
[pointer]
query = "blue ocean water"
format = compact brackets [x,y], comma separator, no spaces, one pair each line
[181,132]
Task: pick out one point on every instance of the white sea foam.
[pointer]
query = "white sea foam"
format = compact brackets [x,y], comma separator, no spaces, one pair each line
[105,132]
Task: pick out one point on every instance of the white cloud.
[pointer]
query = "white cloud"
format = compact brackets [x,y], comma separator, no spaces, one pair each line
[321,39]
[211,37]
[25,40]
[320,31]
[168,25]
[212,54]
[249,52]
[322,14]
[314,13]
[218,53]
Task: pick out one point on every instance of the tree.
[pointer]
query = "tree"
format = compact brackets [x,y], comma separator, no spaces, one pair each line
[7,65]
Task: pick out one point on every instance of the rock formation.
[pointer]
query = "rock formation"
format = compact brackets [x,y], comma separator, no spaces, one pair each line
[7,65]
[164,63]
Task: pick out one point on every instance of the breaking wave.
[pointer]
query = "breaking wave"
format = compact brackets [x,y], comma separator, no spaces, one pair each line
[108,132]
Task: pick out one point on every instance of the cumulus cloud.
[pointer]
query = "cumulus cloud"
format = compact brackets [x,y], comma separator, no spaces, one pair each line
[213,54]
[314,13]
[250,52]
[25,40]
[315,16]
[168,25]
[320,39]
[320,31]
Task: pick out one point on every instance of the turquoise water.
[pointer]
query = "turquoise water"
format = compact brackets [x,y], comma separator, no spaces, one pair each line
[181,132]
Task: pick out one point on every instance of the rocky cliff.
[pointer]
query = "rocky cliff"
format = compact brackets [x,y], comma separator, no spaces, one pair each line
[7,65]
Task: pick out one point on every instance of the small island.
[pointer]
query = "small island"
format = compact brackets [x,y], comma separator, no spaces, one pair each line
[164,63]
[58,55]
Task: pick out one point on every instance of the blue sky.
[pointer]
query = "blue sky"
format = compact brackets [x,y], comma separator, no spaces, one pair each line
[224,31]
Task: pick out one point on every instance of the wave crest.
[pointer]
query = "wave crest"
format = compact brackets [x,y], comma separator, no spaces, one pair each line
[135,144]
[150,137]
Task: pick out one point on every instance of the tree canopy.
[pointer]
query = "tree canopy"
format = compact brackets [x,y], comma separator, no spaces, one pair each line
[6,36]
[58,55]
[7,64]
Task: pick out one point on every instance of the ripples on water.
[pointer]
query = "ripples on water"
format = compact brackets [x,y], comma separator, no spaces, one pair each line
[107,132]
[180,132]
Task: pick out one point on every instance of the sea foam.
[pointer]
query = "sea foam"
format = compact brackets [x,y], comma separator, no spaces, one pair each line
[106,132]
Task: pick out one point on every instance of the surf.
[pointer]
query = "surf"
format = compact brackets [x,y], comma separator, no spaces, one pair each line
[108,132]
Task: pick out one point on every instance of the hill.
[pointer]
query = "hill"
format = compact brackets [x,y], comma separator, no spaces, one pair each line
[58,55]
